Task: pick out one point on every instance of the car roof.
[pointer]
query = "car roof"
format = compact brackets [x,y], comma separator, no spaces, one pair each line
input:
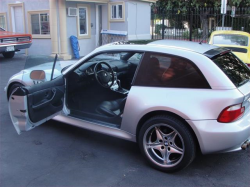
[231,32]
[202,48]
[186,45]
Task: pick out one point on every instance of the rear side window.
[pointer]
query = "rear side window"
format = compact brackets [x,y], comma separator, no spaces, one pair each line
[161,70]
[235,70]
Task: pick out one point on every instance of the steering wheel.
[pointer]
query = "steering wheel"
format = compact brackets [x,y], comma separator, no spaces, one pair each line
[104,77]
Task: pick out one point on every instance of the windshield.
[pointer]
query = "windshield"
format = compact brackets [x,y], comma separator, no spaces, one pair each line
[233,39]
[235,69]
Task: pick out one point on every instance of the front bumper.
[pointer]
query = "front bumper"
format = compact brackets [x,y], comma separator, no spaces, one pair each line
[217,137]
[17,46]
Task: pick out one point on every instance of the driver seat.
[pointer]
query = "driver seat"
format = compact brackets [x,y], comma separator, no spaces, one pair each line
[112,108]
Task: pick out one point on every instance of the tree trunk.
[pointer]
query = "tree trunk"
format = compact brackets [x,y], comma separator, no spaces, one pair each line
[204,22]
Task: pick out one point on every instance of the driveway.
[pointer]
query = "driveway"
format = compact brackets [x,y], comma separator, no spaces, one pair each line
[59,155]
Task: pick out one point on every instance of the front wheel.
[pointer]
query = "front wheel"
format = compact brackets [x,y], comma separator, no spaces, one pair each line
[9,54]
[167,143]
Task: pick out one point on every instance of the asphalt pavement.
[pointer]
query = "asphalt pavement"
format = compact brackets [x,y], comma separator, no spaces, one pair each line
[58,155]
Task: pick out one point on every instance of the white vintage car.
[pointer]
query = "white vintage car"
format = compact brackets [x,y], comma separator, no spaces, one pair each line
[172,97]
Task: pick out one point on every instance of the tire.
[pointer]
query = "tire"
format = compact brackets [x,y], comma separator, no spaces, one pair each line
[9,54]
[13,87]
[166,143]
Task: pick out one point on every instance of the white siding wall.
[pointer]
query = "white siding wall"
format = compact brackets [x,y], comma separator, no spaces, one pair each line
[138,18]
[86,45]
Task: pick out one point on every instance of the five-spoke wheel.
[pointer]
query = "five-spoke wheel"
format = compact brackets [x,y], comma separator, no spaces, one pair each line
[167,143]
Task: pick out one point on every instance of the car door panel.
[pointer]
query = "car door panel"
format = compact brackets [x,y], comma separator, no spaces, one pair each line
[32,106]
[45,102]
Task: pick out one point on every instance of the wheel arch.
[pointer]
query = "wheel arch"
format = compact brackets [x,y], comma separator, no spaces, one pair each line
[9,86]
[163,112]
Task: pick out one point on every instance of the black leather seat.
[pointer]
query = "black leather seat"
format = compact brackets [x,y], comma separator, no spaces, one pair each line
[112,108]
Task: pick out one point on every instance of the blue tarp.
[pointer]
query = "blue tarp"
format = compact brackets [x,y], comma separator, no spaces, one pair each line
[75,46]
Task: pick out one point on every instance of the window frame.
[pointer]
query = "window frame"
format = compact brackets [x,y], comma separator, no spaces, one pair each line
[117,13]
[4,14]
[30,25]
[88,20]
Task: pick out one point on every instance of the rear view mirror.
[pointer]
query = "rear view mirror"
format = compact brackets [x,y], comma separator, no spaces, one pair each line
[37,75]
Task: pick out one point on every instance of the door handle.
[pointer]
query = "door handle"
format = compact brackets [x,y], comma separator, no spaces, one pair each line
[46,102]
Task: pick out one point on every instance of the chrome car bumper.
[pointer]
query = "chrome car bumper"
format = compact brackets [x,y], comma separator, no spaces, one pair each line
[17,46]
[217,137]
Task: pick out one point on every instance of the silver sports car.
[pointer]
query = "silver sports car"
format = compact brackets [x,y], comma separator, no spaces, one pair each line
[173,98]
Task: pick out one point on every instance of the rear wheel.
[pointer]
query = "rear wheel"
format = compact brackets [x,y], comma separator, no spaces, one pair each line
[9,54]
[167,143]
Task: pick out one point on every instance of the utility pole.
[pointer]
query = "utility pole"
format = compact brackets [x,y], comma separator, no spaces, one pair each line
[223,11]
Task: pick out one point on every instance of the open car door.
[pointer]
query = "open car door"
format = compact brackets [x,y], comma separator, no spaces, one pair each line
[32,106]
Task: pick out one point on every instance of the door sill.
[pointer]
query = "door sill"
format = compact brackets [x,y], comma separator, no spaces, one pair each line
[89,117]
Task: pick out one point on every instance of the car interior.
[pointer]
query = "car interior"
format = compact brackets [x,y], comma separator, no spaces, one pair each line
[97,90]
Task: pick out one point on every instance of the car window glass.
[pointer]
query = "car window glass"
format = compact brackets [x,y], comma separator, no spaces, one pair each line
[230,39]
[135,59]
[108,56]
[169,71]
[235,70]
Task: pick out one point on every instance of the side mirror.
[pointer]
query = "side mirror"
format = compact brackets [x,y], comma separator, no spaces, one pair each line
[37,75]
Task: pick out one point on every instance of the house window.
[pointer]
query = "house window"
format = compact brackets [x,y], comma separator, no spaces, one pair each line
[117,11]
[39,24]
[3,23]
[83,21]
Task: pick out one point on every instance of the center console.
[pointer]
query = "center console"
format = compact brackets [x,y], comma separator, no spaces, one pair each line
[116,87]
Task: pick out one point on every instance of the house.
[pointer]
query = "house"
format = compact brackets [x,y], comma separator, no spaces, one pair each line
[52,22]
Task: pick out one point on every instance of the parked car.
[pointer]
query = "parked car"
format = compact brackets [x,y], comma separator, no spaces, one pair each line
[11,42]
[237,41]
[173,98]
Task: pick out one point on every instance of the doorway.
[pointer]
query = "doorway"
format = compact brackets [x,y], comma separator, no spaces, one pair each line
[102,22]
[17,20]
[98,25]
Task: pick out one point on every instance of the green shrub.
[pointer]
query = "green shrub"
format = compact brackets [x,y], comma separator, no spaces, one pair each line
[185,34]
[158,28]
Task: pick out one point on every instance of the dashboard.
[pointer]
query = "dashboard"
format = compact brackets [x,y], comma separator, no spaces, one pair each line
[84,75]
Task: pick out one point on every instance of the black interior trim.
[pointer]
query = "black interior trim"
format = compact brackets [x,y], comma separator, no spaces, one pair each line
[45,99]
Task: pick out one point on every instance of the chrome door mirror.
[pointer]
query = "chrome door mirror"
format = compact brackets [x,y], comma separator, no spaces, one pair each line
[37,75]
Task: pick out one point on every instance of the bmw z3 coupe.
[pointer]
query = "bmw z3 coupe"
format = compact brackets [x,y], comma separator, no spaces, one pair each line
[173,98]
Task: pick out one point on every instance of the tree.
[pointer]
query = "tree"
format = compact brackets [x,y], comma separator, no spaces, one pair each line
[187,5]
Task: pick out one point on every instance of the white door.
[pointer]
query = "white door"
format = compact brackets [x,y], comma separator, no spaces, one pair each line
[31,106]
[17,24]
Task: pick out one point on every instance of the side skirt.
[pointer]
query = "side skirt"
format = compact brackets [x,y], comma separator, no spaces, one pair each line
[108,130]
